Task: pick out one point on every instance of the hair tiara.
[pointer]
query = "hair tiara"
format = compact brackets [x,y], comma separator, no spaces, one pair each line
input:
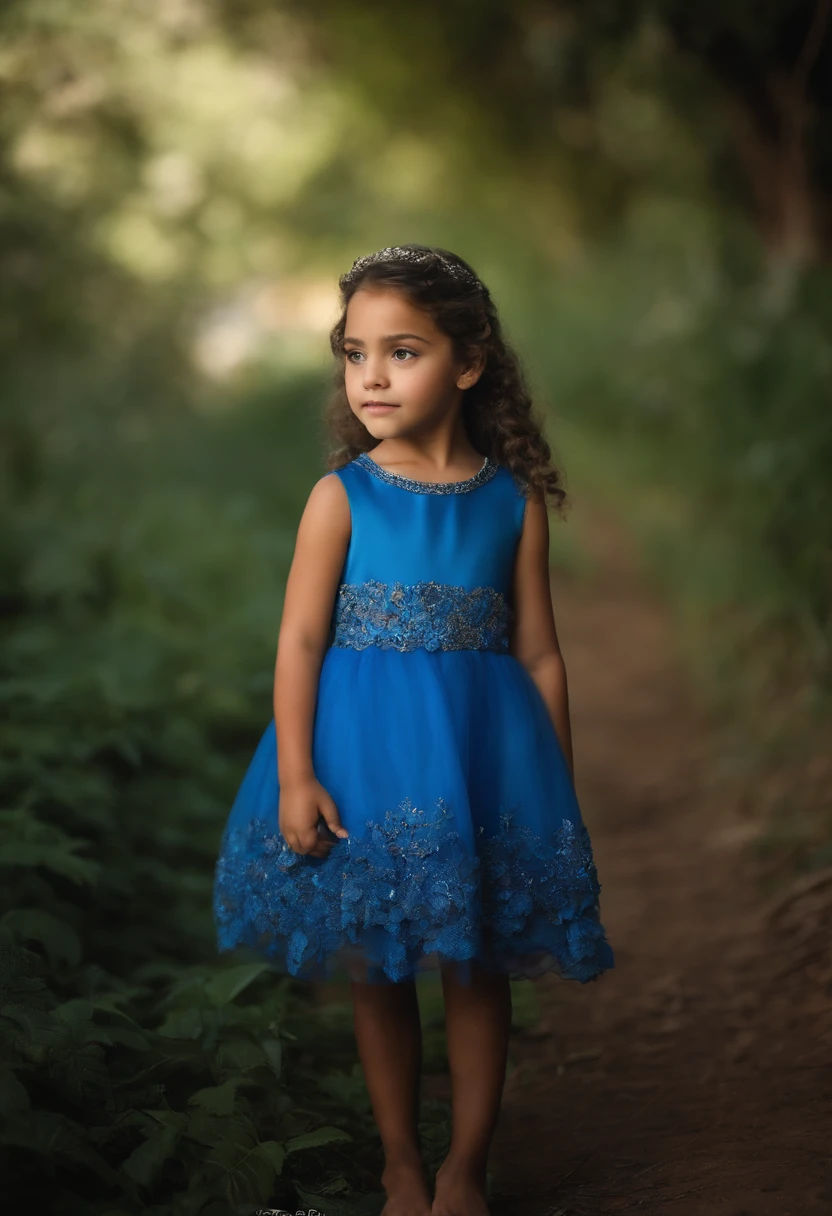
[401,253]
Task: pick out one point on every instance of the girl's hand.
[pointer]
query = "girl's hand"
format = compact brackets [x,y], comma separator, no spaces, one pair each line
[308,815]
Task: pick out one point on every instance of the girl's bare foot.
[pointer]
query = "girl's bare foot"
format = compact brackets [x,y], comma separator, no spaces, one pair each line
[461,1190]
[406,1186]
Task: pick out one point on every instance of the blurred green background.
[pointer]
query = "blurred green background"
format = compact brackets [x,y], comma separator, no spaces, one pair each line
[645,187]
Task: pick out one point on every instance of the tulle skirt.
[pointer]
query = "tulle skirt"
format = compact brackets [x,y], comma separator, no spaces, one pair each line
[466,841]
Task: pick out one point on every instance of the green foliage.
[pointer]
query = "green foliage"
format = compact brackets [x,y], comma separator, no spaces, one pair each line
[140,1073]
[710,393]
[691,386]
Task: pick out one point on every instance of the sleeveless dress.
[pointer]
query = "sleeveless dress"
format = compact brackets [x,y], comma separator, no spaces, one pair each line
[466,840]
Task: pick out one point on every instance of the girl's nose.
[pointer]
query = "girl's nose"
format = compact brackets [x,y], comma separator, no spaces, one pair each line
[373,374]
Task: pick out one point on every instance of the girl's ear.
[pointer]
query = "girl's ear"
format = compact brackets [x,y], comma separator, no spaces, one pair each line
[472,373]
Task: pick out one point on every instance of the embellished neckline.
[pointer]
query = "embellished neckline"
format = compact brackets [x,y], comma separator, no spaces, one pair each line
[485,473]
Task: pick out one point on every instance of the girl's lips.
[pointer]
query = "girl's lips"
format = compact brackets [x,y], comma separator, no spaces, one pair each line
[378,406]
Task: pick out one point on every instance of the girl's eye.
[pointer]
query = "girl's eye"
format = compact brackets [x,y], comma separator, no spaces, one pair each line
[399,350]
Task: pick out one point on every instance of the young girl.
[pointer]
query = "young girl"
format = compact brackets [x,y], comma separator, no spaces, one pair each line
[420,809]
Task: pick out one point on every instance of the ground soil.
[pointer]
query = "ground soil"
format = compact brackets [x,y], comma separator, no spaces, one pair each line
[695,1078]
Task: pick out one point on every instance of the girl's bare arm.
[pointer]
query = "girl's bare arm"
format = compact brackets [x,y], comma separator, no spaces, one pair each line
[534,639]
[320,548]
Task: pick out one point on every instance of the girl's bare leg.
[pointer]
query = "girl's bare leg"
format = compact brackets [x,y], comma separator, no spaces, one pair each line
[388,1034]
[477,1025]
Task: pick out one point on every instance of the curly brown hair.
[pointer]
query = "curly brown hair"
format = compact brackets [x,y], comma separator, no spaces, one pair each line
[497,411]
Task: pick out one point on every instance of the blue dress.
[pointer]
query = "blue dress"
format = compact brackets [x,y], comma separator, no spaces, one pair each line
[465,836]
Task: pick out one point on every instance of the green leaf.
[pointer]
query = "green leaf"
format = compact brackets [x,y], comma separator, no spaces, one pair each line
[323,1135]
[273,1051]
[274,1152]
[41,1032]
[182,1024]
[241,1054]
[127,1038]
[230,983]
[145,1162]
[27,843]
[122,1029]
[368,1205]
[118,994]
[74,1058]
[81,1070]
[218,1099]
[52,1137]
[59,939]
[14,1096]
[252,1179]
[350,1092]
[248,1169]
[239,1141]
[205,1127]
[75,1011]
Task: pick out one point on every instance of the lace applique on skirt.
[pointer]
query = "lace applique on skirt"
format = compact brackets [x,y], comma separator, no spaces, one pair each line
[381,902]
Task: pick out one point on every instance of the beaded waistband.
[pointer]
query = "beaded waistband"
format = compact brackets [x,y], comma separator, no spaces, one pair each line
[406,616]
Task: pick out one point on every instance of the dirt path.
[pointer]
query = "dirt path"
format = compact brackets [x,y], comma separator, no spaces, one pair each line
[695,1079]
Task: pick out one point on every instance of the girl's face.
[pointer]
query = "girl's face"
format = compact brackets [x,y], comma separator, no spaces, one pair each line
[395,355]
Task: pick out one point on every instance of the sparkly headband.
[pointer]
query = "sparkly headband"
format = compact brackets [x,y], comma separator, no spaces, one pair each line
[400,253]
